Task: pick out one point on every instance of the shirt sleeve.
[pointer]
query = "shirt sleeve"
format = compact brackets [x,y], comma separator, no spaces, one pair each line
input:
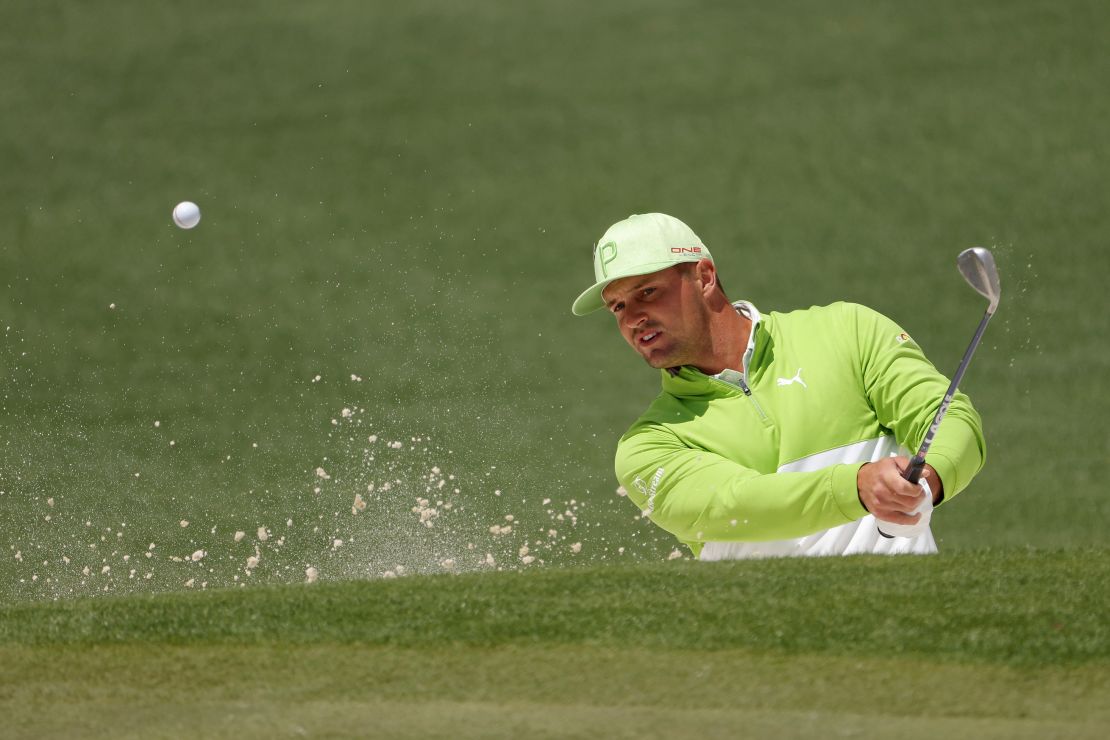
[905,390]
[700,496]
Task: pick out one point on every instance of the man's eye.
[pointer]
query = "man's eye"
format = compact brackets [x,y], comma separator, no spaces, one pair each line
[617,307]
[647,292]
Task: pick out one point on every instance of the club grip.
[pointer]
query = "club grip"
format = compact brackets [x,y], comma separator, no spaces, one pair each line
[912,473]
[916,467]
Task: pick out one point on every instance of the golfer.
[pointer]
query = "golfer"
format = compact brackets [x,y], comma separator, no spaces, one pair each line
[775,434]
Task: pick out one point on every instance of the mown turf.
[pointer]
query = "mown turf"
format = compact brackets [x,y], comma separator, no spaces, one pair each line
[355,690]
[988,644]
[1023,608]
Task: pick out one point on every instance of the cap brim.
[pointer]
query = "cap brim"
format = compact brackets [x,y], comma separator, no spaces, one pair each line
[591,299]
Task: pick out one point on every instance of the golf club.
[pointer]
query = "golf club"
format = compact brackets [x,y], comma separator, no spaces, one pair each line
[977,267]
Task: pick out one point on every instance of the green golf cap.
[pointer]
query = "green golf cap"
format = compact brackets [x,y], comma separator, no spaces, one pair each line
[639,245]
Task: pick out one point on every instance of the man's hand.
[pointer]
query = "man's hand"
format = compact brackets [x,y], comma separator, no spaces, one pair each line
[890,497]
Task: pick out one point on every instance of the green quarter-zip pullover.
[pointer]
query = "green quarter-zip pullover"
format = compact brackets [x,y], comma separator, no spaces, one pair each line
[762,460]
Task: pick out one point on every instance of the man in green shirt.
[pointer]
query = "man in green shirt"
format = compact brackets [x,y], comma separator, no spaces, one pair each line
[774,434]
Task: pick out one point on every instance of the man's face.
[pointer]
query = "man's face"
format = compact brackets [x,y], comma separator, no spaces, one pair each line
[663,316]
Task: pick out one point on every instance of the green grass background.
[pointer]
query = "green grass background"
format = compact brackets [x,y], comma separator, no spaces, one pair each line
[408,194]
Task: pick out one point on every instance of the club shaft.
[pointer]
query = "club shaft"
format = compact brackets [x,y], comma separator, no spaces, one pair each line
[917,463]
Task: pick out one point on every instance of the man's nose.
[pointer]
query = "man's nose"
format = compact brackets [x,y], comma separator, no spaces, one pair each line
[634,316]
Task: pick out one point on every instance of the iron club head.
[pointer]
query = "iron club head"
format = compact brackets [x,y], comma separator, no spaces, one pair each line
[977,267]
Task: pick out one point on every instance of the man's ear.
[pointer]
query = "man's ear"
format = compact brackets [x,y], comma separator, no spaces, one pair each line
[706,274]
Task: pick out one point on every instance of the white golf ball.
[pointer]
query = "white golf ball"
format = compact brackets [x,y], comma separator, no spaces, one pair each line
[186,214]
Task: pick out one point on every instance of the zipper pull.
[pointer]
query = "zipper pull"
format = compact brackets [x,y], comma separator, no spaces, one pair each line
[744,387]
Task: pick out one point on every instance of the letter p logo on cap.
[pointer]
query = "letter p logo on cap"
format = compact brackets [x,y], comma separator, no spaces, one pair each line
[606,253]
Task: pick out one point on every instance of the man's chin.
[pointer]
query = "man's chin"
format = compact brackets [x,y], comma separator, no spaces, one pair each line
[660,360]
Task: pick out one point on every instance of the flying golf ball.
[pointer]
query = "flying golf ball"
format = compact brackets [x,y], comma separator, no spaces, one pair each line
[186,214]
